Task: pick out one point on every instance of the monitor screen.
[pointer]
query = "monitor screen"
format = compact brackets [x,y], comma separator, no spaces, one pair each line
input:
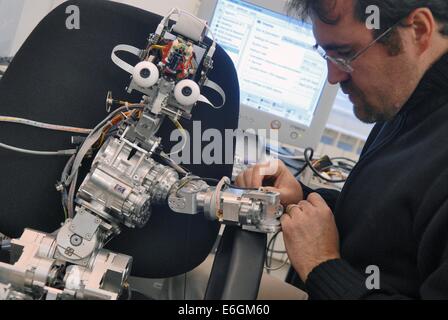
[278,70]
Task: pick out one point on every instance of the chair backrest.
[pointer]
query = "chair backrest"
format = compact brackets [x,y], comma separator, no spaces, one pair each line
[62,76]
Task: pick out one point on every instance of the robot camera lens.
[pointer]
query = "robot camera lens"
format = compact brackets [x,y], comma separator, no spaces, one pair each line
[145,73]
[187,91]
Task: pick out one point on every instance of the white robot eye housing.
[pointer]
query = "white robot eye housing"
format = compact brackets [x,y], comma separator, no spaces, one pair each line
[129,174]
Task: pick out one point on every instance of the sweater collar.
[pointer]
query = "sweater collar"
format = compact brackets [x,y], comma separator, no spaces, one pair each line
[433,85]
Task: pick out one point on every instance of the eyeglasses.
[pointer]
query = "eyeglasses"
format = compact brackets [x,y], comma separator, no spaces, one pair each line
[345,64]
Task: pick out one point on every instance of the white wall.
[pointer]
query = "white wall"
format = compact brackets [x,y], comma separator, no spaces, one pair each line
[10,12]
[162,7]
[28,13]
[32,13]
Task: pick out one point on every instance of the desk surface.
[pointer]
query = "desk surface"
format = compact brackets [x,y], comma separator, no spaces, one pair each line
[193,286]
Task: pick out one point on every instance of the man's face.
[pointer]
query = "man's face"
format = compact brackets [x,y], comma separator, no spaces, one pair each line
[381,83]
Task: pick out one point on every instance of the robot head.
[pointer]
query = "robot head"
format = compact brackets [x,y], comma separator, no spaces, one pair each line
[168,72]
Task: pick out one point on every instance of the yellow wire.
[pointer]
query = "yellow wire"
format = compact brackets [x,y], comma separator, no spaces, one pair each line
[118,118]
[184,134]
[157,47]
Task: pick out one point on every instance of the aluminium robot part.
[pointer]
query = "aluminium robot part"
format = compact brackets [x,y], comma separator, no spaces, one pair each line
[7,292]
[253,210]
[123,184]
[37,274]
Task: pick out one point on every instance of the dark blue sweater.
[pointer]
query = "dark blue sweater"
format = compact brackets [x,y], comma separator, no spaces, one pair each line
[393,210]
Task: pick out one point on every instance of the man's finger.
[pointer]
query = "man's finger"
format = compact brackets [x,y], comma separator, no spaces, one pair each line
[316,200]
[248,177]
[240,180]
[293,209]
[257,177]
[285,219]
[254,176]
[305,205]
[271,169]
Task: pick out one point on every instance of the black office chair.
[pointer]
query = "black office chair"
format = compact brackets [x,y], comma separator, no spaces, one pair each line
[62,76]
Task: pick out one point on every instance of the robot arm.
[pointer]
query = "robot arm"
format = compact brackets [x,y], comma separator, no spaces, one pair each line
[253,210]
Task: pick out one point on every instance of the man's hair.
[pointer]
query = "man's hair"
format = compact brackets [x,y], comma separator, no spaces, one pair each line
[391,11]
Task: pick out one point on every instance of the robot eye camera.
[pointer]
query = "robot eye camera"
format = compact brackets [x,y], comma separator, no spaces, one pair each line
[187,92]
[145,74]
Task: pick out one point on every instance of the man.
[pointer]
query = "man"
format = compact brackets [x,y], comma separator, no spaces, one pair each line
[392,215]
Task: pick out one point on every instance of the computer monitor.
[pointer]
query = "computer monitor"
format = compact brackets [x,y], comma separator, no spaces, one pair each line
[283,81]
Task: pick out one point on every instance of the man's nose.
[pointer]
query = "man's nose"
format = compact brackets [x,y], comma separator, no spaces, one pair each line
[336,75]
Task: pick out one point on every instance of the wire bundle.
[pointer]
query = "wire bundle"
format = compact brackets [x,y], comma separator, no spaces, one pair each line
[332,170]
[270,251]
[41,125]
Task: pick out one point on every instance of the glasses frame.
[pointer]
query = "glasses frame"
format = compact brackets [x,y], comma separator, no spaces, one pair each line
[345,64]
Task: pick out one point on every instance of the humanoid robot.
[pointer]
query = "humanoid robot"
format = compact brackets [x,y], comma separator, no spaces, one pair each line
[130,173]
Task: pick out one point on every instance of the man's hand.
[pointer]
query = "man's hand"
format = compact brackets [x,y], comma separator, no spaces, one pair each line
[276,175]
[310,234]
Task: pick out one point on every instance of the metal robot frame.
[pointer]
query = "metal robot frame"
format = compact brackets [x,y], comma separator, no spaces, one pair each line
[129,174]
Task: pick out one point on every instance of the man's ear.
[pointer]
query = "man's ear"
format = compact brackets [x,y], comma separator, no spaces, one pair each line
[423,26]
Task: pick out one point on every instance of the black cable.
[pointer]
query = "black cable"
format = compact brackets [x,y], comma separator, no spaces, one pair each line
[288,161]
[271,256]
[272,239]
[129,292]
[345,159]
[169,162]
[344,166]
[301,170]
[268,260]
[308,158]
[336,167]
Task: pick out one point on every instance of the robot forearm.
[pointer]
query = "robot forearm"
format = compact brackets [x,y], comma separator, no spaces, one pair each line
[254,210]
